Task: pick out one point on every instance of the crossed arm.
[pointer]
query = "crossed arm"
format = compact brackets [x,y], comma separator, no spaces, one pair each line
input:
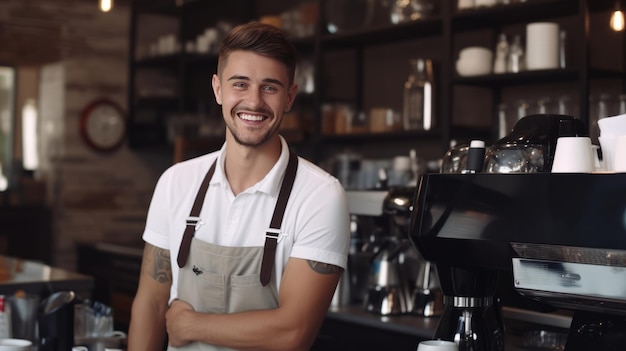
[306,290]
[147,323]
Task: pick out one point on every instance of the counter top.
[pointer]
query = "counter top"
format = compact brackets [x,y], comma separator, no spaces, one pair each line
[424,327]
[37,278]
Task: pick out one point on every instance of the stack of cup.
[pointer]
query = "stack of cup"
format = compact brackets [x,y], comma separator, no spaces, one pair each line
[613,143]
[542,45]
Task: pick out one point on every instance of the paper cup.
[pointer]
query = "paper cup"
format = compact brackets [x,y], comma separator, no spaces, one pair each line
[437,345]
[619,156]
[542,45]
[612,126]
[607,146]
[15,345]
[573,155]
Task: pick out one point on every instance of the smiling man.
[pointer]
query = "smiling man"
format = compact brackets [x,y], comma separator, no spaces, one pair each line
[244,246]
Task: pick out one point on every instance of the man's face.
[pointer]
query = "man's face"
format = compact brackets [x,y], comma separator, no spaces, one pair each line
[254,93]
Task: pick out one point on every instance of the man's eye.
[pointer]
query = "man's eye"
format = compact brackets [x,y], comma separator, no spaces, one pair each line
[239,85]
[270,88]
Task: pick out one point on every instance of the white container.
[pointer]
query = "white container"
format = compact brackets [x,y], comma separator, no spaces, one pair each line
[465,4]
[542,45]
[15,345]
[437,345]
[474,61]
[619,156]
[573,155]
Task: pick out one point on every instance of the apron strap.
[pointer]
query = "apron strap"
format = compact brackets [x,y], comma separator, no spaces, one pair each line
[193,221]
[273,233]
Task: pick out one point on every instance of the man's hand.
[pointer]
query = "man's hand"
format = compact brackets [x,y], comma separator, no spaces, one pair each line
[178,322]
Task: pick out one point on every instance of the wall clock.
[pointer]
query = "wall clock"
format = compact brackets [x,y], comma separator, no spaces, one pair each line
[103,125]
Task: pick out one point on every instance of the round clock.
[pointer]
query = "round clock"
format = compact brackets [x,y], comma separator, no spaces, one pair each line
[103,125]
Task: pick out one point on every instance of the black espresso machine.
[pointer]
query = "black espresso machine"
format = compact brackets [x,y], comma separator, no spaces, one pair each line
[558,239]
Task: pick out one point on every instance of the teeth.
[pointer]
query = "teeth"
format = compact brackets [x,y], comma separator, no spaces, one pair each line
[247,117]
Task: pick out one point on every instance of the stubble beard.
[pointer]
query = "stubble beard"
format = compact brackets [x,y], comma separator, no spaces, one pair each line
[251,142]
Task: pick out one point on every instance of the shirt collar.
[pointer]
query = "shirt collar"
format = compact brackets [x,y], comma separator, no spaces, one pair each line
[270,184]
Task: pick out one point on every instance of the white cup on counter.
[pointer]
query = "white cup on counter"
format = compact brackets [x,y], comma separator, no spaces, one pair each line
[573,155]
[437,345]
[10,344]
[542,45]
[619,155]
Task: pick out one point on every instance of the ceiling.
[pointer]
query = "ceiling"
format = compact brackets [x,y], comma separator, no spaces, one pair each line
[35,32]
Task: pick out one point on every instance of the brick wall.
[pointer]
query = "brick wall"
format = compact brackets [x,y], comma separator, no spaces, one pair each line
[93,196]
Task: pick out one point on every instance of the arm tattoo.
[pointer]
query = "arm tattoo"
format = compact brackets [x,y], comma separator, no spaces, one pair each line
[161,268]
[324,268]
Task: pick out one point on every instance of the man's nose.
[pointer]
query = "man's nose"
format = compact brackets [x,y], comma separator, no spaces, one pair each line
[254,98]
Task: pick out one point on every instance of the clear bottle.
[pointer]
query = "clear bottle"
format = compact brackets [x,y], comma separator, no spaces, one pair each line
[502,53]
[516,56]
[502,122]
[562,52]
[417,112]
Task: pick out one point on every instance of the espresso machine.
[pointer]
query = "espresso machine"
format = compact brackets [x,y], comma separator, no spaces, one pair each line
[540,240]
[388,276]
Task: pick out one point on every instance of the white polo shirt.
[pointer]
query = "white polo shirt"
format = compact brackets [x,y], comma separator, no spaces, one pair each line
[315,225]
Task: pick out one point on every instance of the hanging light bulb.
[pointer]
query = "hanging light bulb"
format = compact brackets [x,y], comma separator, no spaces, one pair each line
[617,19]
[106,5]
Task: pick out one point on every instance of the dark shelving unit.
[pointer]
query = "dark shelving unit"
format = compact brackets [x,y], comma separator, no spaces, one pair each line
[442,35]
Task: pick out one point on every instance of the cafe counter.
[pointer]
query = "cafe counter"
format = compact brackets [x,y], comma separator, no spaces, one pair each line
[33,277]
[351,327]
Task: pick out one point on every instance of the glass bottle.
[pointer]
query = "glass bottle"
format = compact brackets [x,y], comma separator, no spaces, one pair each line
[502,52]
[502,123]
[516,56]
[418,96]
[562,53]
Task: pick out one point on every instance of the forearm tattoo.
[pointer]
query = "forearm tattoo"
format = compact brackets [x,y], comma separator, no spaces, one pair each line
[161,269]
[324,268]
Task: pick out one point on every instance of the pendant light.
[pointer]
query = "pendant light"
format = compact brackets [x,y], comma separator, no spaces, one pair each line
[617,19]
[106,5]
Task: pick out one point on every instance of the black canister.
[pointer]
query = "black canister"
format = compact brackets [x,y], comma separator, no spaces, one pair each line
[56,322]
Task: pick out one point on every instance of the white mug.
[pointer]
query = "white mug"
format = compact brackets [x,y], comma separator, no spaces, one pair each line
[437,345]
[15,345]
[573,155]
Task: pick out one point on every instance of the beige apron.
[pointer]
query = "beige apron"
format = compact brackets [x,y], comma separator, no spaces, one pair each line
[221,279]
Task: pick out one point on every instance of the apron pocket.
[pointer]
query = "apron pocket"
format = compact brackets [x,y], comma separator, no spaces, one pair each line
[248,294]
[210,294]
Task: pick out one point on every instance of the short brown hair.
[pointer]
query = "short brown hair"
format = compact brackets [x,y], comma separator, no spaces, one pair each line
[262,39]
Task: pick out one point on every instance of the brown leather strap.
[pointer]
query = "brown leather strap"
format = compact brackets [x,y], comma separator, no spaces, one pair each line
[272,235]
[193,221]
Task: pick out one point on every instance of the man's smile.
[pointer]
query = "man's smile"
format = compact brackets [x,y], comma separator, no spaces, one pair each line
[251,117]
